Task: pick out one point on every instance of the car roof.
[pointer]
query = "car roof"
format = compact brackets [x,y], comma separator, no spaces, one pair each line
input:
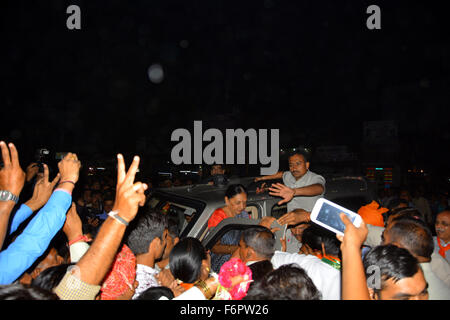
[341,185]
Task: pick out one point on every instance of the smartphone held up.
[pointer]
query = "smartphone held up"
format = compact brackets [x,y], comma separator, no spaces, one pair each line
[326,214]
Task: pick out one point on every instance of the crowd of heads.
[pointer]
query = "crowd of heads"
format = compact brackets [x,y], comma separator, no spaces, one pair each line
[153,239]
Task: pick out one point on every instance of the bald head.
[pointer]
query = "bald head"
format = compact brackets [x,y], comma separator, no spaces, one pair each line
[411,234]
[443,225]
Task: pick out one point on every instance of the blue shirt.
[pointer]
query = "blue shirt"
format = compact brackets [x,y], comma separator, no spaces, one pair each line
[20,216]
[35,238]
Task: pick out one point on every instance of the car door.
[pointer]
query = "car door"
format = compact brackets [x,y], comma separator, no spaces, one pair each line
[233,224]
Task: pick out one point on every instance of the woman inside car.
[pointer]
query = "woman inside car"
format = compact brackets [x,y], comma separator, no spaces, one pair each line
[235,203]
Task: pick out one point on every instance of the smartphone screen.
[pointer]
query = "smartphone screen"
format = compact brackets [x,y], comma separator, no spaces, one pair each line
[329,215]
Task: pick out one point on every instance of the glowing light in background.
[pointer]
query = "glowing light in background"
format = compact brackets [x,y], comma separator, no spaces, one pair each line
[155,73]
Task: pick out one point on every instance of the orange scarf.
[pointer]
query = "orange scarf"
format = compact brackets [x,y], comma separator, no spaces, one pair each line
[442,249]
[216,217]
[187,286]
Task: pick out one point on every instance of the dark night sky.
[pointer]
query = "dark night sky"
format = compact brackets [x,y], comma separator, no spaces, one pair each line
[310,68]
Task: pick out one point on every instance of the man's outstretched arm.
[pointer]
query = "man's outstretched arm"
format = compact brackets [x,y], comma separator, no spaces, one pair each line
[12,179]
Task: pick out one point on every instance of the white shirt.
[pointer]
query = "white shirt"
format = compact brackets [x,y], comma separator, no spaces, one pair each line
[145,276]
[437,289]
[326,278]
[193,293]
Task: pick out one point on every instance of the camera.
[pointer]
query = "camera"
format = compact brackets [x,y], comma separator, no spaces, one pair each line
[41,157]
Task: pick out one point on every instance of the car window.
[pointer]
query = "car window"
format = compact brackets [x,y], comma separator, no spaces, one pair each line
[253,211]
[153,202]
[185,212]
[277,211]
[181,213]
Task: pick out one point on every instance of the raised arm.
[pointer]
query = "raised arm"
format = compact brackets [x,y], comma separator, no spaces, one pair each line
[294,217]
[94,265]
[280,190]
[277,175]
[36,237]
[12,179]
[41,193]
[354,286]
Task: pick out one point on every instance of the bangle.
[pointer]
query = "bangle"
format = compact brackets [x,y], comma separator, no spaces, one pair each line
[202,285]
[79,238]
[66,181]
[115,215]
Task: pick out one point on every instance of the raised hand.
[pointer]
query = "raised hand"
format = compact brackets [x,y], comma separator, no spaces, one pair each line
[262,188]
[129,195]
[12,177]
[267,222]
[353,237]
[69,168]
[294,217]
[280,190]
[31,171]
[73,226]
[42,190]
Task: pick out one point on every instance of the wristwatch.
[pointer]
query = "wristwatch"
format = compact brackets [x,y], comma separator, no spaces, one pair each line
[115,215]
[7,196]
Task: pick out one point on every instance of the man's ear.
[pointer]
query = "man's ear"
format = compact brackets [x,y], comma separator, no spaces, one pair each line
[154,245]
[176,240]
[250,253]
[35,273]
[307,165]
[372,294]
[324,253]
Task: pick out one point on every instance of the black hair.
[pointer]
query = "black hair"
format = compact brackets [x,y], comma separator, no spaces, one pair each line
[261,240]
[154,293]
[221,165]
[394,203]
[89,228]
[150,225]
[260,269]
[392,262]
[185,259]
[413,235]
[20,291]
[402,213]
[235,189]
[302,152]
[51,277]
[315,235]
[172,225]
[288,282]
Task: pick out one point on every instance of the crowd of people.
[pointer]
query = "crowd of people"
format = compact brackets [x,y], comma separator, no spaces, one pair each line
[102,241]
